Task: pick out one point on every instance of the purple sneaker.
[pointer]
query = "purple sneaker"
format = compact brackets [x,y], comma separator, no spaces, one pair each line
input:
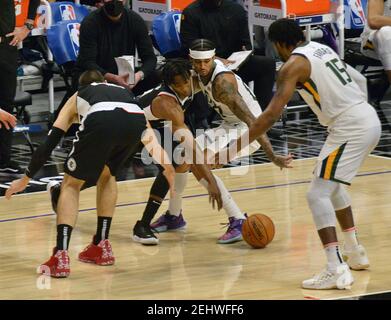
[169,222]
[234,231]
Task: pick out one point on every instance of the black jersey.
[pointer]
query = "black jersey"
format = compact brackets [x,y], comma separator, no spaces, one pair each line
[105,97]
[145,102]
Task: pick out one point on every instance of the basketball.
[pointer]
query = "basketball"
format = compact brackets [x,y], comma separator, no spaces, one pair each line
[258,230]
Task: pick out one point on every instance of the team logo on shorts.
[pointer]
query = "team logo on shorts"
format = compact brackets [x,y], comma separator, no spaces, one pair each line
[71,163]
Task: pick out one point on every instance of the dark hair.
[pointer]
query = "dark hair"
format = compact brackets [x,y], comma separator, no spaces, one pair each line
[202,45]
[286,31]
[176,67]
[90,76]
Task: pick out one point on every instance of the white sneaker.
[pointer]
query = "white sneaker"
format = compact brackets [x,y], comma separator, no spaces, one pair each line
[356,259]
[339,279]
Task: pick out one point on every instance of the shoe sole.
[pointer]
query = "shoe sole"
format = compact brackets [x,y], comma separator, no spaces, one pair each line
[147,242]
[359,267]
[60,275]
[233,240]
[165,229]
[56,275]
[348,287]
[355,267]
[110,263]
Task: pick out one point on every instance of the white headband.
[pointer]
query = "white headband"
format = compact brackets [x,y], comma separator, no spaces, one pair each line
[199,55]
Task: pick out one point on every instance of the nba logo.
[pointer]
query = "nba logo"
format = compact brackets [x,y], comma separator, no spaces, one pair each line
[177,22]
[67,12]
[357,14]
[74,31]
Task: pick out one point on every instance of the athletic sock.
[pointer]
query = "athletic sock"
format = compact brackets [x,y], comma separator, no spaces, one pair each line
[333,255]
[229,204]
[159,189]
[102,229]
[350,237]
[64,232]
[175,204]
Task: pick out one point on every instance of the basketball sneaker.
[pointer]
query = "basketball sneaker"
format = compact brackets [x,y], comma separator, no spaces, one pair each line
[54,188]
[143,233]
[169,222]
[357,258]
[234,231]
[101,254]
[57,266]
[341,278]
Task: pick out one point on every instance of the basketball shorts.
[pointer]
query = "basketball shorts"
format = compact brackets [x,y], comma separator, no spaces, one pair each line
[376,44]
[218,138]
[352,137]
[104,138]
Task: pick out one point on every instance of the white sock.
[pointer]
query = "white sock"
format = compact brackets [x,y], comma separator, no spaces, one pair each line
[229,204]
[333,255]
[350,237]
[175,204]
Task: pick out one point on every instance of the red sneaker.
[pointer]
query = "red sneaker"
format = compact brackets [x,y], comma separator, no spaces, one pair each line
[57,266]
[101,254]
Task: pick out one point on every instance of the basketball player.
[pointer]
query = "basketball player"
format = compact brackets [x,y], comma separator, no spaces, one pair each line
[238,107]
[337,95]
[376,37]
[98,152]
[169,101]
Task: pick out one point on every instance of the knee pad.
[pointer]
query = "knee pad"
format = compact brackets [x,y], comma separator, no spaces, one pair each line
[319,201]
[382,41]
[340,198]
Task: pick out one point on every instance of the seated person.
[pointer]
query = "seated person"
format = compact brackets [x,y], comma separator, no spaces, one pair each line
[112,31]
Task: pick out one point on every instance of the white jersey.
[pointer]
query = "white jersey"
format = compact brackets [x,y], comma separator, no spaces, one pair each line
[244,91]
[333,87]
[387,12]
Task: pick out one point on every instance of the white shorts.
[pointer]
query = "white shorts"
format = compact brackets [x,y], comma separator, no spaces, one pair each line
[218,138]
[352,137]
[376,44]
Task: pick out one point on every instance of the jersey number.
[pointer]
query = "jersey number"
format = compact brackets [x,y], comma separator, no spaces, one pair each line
[340,72]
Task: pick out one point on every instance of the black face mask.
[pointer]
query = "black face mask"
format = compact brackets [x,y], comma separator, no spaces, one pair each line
[114,8]
[211,4]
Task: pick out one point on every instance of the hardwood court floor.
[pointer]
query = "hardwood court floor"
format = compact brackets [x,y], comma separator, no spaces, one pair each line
[189,264]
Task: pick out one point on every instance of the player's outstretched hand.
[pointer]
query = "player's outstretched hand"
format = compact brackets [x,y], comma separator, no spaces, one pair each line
[283,161]
[215,195]
[17,186]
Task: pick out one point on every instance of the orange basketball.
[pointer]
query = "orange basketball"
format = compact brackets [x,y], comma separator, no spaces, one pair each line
[258,230]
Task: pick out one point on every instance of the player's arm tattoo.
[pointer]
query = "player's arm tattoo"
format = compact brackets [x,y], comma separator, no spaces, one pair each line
[225,91]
